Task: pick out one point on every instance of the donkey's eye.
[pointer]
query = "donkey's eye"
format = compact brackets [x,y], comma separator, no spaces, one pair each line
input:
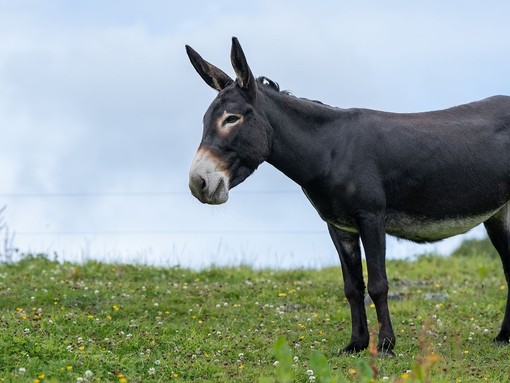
[231,119]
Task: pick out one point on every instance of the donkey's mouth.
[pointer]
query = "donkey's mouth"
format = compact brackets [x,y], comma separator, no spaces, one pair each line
[210,188]
[219,193]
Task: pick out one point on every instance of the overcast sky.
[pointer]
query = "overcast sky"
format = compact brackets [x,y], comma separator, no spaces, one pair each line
[100,115]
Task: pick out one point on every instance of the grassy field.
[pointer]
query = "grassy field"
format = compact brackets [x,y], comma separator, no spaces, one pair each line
[119,323]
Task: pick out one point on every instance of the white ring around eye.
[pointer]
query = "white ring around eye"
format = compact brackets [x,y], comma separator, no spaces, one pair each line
[225,125]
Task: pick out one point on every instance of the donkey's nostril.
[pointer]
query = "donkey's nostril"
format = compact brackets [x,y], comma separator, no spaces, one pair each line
[197,184]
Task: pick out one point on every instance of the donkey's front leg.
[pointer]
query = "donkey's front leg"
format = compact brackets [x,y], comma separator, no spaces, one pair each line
[348,247]
[372,234]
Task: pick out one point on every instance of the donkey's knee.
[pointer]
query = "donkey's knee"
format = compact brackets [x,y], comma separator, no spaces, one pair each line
[354,291]
[378,290]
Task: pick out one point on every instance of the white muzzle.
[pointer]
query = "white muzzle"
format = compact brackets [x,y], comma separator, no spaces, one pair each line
[208,179]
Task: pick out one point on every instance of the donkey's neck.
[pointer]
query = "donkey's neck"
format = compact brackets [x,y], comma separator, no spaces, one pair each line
[301,135]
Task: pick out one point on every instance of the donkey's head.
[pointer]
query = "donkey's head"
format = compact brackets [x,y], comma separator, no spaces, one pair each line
[236,137]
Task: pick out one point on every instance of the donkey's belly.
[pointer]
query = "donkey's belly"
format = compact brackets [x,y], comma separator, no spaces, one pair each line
[426,230]
[421,229]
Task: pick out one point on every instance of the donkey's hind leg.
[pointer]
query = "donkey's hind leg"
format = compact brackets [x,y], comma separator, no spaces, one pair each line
[498,228]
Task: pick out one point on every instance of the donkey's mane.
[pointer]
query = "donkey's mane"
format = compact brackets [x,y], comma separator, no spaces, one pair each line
[273,85]
[267,82]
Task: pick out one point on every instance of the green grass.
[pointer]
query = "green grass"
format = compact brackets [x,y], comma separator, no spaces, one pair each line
[121,323]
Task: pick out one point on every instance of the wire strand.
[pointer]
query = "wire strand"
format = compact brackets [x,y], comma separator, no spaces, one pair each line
[130,194]
[175,232]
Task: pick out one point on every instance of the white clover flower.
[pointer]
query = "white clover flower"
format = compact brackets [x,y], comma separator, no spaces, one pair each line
[152,371]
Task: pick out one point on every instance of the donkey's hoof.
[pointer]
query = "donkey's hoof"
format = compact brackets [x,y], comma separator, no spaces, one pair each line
[385,348]
[352,348]
[385,353]
[501,341]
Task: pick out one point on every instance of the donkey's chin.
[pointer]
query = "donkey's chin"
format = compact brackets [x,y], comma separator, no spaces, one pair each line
[219,196]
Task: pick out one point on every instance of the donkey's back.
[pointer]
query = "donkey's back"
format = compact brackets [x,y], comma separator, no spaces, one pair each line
[484,118]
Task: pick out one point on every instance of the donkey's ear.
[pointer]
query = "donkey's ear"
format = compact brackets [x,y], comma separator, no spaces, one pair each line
[245,78]
[213,76]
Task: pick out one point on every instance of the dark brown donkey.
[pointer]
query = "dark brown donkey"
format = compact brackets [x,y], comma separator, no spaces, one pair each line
[418,176]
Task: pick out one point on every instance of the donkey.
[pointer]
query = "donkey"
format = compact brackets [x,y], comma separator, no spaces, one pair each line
[417,176]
